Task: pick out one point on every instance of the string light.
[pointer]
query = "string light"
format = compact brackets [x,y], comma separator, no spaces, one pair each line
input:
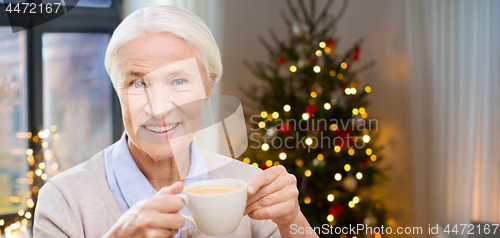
[366,138]
[332,73]
[322,44]
[355,111]
[361,110]
[368,89]
[307,200]
[319,53]
[340,76]
[314,94]
[364,115]
[30,203]
[262,124]
[369,151]
[317,69]
[337,148]
[351,151]
[308,173]
[320,157]
[330,197]
[348,91]
[293,69]
[338,176]
[355,199]
[309,141]
[359,175]
[53,128]
[329,218]
[276,163]
[286,108]
[269,163]
[334,127]
[38,172]
[282,156]
[327,106]
[343,65]
[351,204]
[43,176]
[373,158]
[305,116]
[276,115]
[255,164]
[299,162]
[347,167]
[327,49]
[263,114]
[265,147]
[353,91]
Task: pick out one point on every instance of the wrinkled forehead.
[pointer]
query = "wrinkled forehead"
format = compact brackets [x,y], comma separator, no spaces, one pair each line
[181,68]
[185,67]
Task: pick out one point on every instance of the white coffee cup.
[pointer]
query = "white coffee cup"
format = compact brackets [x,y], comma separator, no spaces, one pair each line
[216,214]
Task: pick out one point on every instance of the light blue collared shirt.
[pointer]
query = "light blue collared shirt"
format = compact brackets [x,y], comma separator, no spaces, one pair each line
[129,185]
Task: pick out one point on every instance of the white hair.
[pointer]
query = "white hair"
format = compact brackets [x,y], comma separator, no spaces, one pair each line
[165,19]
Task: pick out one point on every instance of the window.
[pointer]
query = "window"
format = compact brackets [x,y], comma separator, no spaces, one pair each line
[76,97]
[54,81]
[13,111]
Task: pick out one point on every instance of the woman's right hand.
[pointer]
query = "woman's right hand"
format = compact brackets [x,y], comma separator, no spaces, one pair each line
[154,217]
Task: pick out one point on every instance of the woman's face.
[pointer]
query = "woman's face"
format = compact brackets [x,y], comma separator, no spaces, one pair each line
[162,94]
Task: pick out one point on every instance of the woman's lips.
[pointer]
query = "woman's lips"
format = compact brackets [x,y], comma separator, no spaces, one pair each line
[161,129]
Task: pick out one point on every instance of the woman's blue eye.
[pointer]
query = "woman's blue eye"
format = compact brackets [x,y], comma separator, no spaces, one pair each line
[138,84]
[179,81]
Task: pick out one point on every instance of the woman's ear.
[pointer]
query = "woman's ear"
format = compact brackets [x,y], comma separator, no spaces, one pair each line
[210,86]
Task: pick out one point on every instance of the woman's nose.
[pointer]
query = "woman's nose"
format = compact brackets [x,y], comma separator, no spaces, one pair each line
[159,103]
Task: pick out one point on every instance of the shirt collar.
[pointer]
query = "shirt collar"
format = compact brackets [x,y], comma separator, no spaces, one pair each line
[133,184]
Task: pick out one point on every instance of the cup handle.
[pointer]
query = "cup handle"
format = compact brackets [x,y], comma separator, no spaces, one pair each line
[185,200]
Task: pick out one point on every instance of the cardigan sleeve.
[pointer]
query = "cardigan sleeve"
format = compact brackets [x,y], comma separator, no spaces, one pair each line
[53,215]
[265,228]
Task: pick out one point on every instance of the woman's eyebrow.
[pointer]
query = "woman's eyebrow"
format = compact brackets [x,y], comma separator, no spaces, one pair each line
[176,72]
[134,74]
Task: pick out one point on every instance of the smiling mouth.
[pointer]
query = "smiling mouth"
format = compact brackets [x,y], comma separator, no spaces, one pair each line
[161,129]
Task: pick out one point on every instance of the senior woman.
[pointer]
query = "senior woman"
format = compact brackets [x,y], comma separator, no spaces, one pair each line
[163,63]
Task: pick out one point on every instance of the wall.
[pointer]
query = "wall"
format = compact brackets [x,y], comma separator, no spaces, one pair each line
[383,26]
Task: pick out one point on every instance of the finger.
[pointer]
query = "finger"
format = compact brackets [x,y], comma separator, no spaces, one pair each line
[163,221]
[166,203]
[271,212]
[158,233]
[177,187]
[264,178]
[273,187]
[272,199]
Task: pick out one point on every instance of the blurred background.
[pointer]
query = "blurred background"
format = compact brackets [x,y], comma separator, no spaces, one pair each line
[434,90]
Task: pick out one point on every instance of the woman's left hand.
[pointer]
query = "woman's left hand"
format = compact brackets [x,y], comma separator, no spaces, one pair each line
[273,194]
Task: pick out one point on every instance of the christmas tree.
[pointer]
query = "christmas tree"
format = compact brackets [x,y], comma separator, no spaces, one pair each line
[309,115]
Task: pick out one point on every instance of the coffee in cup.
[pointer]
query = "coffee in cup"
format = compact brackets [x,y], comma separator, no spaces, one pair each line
[216,205]
[212,189]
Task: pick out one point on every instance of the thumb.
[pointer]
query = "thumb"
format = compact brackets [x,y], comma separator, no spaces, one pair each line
[177,187]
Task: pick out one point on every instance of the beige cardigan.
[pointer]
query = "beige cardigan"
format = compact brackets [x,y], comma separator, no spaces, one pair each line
[78,203]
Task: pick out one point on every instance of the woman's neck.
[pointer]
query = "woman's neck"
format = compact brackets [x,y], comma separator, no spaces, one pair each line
[161,172]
